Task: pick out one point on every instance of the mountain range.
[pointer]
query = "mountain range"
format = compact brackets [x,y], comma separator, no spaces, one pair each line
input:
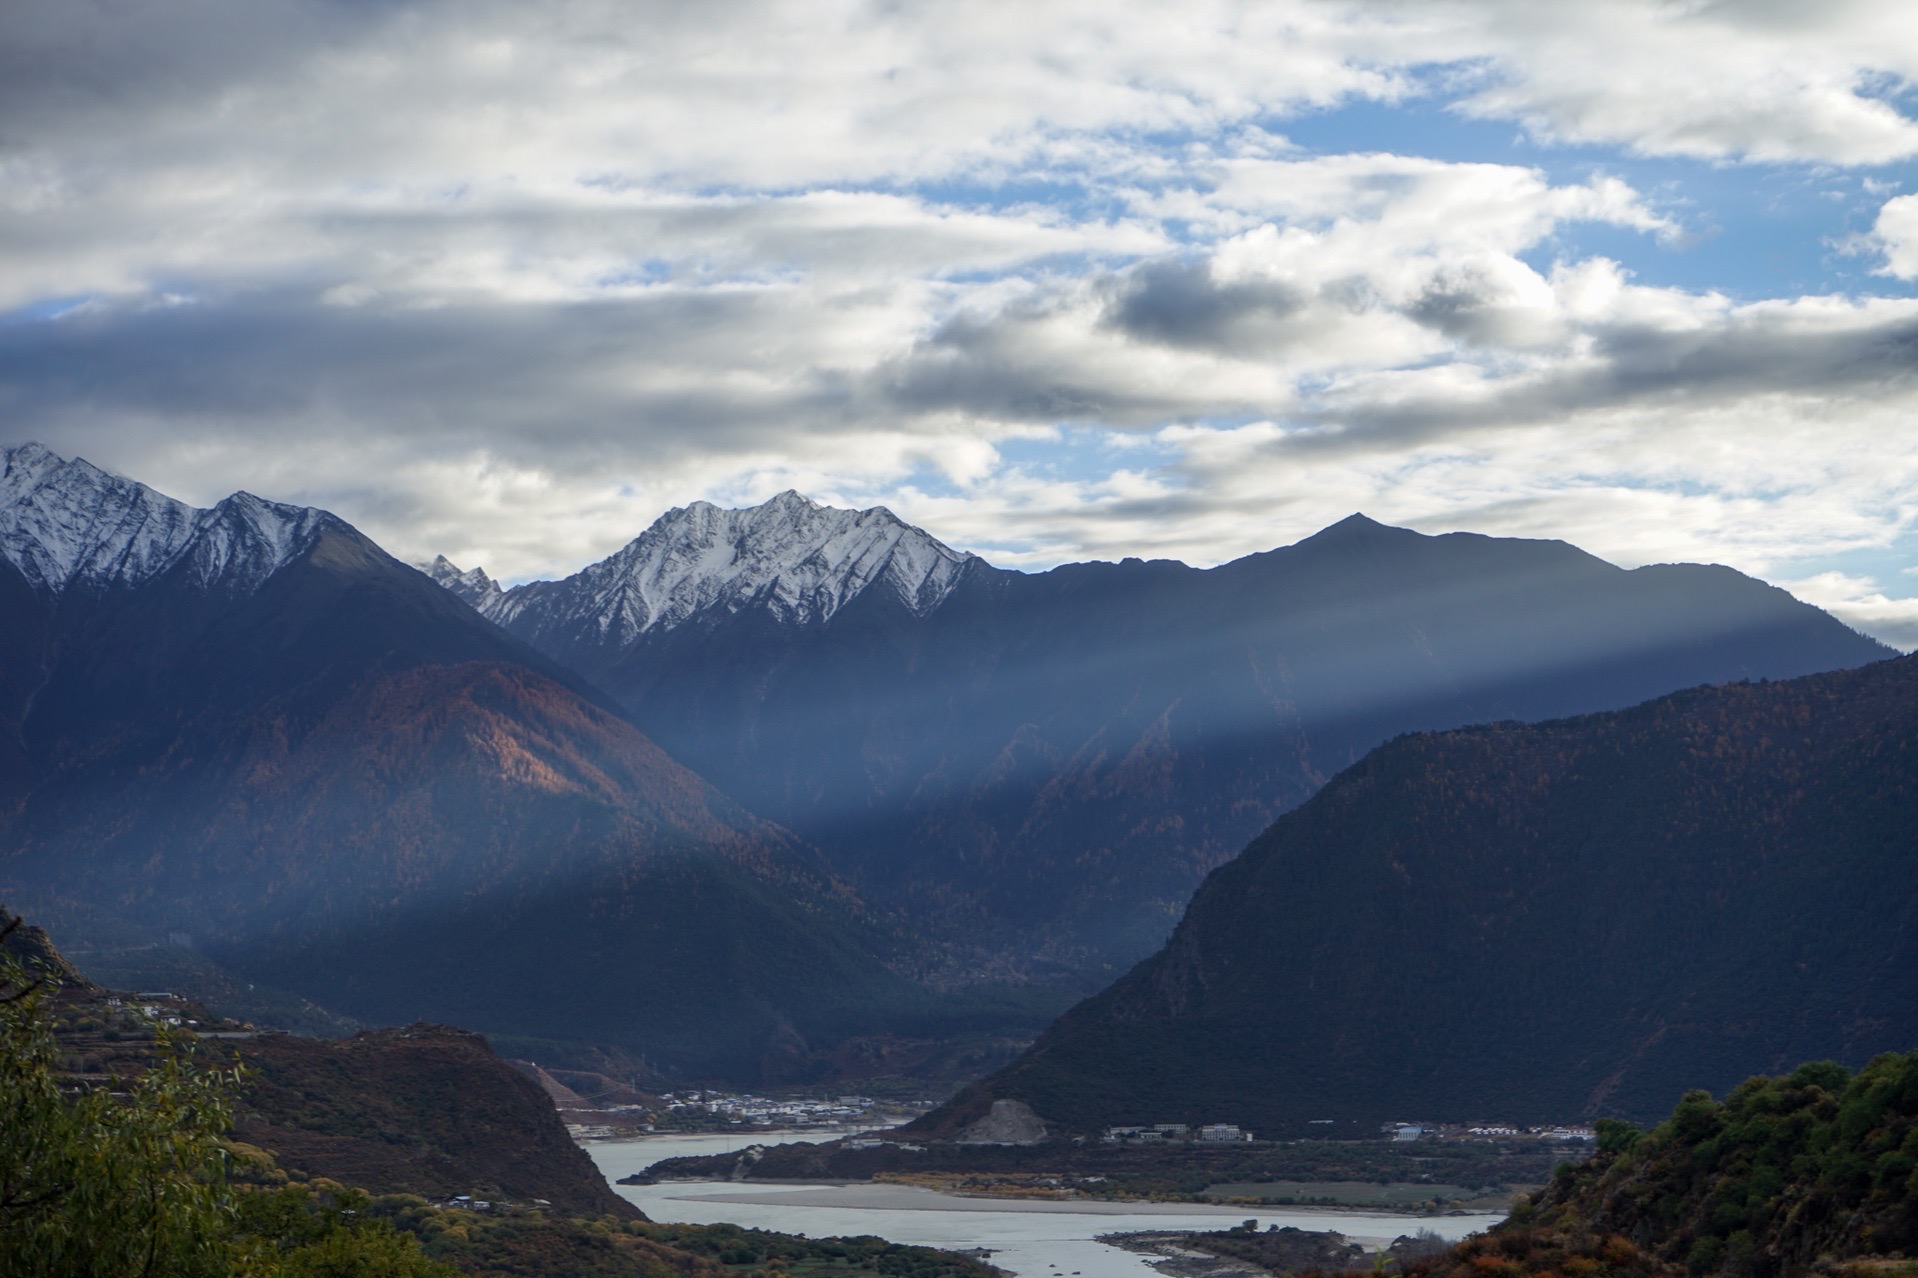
[1531,923]
[250,731]
[1040,768]
[763,793]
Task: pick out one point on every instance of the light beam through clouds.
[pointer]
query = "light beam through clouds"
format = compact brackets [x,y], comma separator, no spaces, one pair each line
[1056,280]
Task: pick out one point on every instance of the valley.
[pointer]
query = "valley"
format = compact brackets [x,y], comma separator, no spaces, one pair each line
[775,796]
[920,896]
[1026,1236]
[401,1153]
[1057,639]
[1038,769]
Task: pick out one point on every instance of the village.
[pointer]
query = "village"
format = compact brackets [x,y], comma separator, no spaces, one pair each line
[698,1110]
[1231,1133]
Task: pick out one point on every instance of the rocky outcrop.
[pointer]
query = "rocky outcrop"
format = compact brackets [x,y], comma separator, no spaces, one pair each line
[1008,1122]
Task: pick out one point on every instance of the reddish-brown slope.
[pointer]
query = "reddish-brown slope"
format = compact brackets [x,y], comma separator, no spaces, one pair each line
[348,785]
[425,1110]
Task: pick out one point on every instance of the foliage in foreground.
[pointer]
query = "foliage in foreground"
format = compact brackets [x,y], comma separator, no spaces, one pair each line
[144,1183]
[94,1184]
[1817,1164]
[137,1183]
[1813,1172]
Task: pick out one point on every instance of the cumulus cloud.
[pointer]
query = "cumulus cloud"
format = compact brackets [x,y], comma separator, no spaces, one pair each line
[1863,604]
[1895,234]
[505,280]
[1757,79]
[1385,262]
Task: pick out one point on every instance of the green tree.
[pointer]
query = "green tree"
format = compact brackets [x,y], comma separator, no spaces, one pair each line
[93,1183]
[324,1230]
[136,1184]
[1616,1136]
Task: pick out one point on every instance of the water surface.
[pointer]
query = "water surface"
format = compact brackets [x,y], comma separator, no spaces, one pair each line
[1032,1239]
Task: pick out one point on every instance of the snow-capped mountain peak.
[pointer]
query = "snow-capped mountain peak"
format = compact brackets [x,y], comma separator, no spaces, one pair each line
[799,560]
[471,584]
[246,539]
[64,521]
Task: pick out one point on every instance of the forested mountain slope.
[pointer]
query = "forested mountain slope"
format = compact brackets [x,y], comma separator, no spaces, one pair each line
[252,732]
[1041,767]
[1534,923]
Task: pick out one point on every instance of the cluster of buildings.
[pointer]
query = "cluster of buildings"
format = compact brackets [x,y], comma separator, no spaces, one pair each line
[1484,1131]
[766,1111]
[467,1202]
[874,1142]
[156,1005]
[1160,1133]
[705,1110]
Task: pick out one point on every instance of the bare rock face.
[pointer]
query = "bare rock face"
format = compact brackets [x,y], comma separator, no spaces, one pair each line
[1009,1122]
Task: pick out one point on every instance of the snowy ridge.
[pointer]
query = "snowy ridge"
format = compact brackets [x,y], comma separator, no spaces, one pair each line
[799,560]
[67,522]
[472,585]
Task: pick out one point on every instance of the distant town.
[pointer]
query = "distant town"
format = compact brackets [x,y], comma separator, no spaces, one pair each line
[700,1110]
[1231,1133]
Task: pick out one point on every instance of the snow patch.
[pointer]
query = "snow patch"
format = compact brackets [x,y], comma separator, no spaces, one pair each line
[797,559]
[65,522]
[472,584]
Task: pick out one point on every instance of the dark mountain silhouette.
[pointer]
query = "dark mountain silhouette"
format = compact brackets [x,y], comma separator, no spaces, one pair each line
[320,770]
[1042,767]
[1532,923]
[249,732]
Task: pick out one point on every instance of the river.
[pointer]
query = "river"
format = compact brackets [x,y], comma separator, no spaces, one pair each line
[1027,1238]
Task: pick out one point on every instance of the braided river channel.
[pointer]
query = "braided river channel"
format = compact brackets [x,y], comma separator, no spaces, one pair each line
[1026,1238]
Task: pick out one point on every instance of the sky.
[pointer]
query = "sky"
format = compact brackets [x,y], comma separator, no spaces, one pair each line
[1054,280]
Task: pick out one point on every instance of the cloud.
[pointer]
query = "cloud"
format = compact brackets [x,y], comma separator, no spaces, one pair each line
[1384,262]
[1758,80]
[776,93]
[1385,344]
[1861,603]
[1179,302]
[1895,234]
[507,280]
